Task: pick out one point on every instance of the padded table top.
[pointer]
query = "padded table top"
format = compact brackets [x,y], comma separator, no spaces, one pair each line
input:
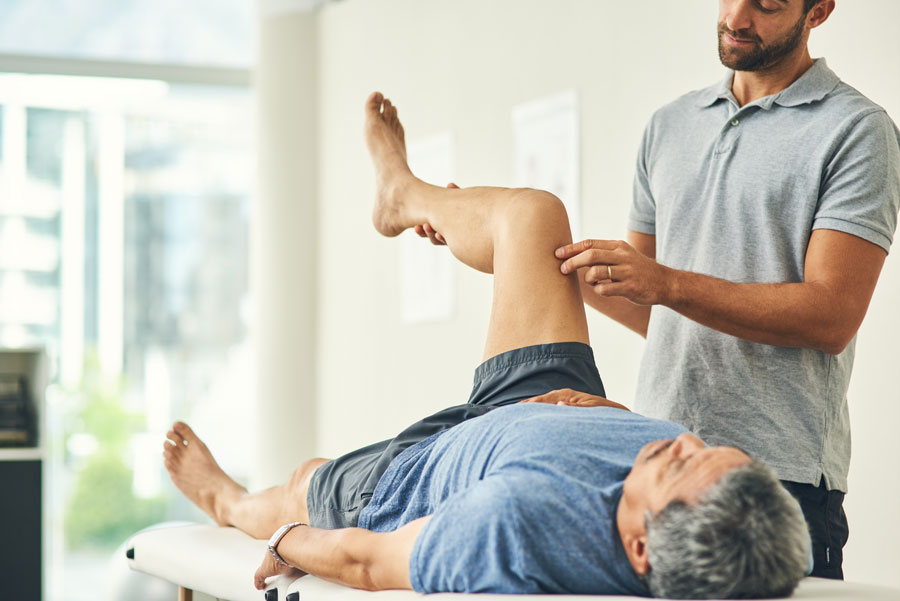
[221,562]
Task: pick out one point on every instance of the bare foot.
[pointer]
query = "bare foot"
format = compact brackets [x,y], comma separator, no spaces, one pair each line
[197,475]
[387,146]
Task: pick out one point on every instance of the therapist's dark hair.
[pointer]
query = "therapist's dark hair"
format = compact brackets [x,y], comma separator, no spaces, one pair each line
[809,4]
[745,538]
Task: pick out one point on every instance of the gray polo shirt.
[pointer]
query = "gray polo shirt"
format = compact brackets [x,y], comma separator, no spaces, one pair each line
[735,193]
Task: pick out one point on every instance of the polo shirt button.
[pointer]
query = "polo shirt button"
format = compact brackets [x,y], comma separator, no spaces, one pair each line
[735,123]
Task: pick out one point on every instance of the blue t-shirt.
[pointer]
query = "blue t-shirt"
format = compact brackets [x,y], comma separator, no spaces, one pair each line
[523,500]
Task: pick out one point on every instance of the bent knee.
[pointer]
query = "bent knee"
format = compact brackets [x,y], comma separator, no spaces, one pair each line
[300,478]
[538,209]
[539,201]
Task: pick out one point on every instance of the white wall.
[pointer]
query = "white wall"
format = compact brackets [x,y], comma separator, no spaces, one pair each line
[862,49]
[460,66]
[285,245]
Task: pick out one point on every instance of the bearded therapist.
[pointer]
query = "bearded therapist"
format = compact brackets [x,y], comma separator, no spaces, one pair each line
[764,208]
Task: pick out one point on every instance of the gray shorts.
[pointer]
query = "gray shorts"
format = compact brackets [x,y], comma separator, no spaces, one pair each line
[342,487]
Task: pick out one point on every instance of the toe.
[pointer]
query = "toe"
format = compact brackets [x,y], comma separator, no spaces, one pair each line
[184,431]
[373,103]
[174,438]
[170,451]
[169,460]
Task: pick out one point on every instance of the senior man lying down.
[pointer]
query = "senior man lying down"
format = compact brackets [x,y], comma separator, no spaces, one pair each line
[499,495]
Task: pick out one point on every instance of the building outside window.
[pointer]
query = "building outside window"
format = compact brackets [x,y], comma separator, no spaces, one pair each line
[125,207]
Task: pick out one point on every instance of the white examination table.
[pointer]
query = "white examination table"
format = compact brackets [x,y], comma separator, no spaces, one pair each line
[221,561]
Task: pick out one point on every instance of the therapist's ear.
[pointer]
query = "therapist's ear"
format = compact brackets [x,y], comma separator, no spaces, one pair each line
[820,13]
[636,550]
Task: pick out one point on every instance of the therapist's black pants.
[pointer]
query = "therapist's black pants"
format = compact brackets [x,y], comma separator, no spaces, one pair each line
[824,512]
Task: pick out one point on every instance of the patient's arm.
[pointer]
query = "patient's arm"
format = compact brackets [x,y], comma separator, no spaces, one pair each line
[574,398]
[350,556]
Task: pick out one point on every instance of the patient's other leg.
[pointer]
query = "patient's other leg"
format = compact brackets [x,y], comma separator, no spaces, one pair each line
[511,233]
[197,475]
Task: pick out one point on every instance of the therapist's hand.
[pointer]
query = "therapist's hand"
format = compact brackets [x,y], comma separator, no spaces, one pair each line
[574,398]
[426,231]
[635,276]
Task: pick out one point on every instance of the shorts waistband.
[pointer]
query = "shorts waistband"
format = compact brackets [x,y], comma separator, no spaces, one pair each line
[526,354]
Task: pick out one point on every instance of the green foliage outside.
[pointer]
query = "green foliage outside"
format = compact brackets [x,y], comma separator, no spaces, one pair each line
[102,510]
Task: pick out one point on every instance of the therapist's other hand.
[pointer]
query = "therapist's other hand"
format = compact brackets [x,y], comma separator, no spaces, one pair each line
[635,276]
[574,398]
[426,231]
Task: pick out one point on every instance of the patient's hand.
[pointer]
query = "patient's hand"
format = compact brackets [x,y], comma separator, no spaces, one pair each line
[269,568]
[573,398]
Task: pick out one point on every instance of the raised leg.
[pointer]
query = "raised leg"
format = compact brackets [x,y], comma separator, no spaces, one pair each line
[511,233]
[196,474]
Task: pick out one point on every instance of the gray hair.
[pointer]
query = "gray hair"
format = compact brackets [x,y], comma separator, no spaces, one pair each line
[745,538]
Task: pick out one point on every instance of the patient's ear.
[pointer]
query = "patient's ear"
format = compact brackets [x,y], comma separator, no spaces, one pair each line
[636,549]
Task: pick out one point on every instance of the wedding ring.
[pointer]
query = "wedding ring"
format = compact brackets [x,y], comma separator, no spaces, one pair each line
[609,272]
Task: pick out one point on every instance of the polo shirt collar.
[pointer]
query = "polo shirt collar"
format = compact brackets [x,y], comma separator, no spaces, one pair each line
[810,87]
[719,91]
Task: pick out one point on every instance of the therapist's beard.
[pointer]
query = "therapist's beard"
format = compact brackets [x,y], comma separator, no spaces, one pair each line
[760,56]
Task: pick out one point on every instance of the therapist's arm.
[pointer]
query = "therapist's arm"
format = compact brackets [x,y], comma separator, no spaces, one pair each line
[350,556]
[823,312]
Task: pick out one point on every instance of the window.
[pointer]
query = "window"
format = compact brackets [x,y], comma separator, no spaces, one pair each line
[200,32]
[124,222]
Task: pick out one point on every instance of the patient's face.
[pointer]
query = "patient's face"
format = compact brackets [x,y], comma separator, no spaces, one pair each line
[680,469]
